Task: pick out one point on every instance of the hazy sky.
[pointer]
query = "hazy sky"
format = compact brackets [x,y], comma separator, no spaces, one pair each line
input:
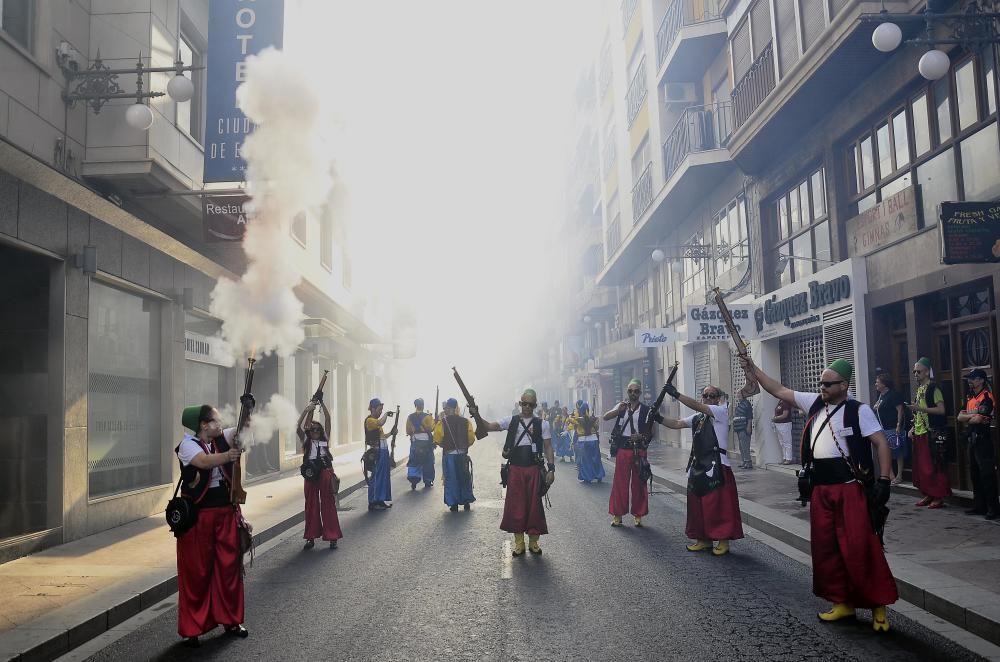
[451,120]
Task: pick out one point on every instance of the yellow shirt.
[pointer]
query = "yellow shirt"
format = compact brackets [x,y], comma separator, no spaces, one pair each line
[439,433]
[426,425]
[921,420]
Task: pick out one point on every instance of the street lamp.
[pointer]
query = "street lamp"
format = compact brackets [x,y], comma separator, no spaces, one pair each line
[976,26]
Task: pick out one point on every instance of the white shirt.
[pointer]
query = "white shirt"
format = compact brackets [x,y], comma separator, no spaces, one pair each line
[631,422]
[504,423]
[190,447]
[315,445]
[720,423]
[825,446]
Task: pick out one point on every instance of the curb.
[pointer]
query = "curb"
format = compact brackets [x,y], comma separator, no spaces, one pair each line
[45,644]
[965,605]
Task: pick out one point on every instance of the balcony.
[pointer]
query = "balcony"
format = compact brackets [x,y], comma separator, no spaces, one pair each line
[691,34]
[594,299]
[636,92]
[620,351]
[700,129]
[642,193]
[754,87]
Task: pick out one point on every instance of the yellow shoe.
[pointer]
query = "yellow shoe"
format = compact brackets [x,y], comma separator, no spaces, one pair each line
[518,545]
[699,545]
[880,620]
[721,548]
[837,612]
[533,545]
[638,521]
[616,521]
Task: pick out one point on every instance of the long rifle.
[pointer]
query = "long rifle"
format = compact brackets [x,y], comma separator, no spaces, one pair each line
[655,409]
[318,396]
[437,400]
[481,431]
[752,387]
[237,495]
[394,431]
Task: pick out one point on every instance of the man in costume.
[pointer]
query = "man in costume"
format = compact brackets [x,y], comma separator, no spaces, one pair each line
[455,434]
[977,416]
[321,493]
[527,448]
[716,514]
[379,489]
[929,438]
[849,566]
[560,434]
[209,560]
[630,455]
[584,426]
[419,427]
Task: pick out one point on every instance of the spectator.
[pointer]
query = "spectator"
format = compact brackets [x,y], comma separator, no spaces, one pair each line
[782,420]
[743,427]
[891,415]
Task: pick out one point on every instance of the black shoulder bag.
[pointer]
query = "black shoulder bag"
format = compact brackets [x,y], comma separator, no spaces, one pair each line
[182,512]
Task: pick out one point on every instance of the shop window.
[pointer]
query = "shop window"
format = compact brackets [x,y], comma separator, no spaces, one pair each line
[981,165]
[965,94]
[921,125]
[123,399]
[15,20]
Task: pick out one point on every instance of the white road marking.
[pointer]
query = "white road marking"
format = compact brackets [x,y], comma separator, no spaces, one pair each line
[506,571]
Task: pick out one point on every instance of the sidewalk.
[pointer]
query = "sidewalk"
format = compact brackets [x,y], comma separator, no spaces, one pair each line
[62,597]
[944,561]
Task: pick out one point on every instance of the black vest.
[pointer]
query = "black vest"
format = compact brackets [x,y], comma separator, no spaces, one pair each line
[456,433]
[514,431]
[935,421]
[194,481]
[372,437]
[858,446]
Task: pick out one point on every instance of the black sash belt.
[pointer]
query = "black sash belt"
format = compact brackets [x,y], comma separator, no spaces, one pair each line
[523,456]
[832,471]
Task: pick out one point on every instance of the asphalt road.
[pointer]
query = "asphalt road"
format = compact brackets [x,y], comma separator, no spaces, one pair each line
[418,582]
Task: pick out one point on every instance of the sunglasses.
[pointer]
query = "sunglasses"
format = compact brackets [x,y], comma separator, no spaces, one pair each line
[829,384]
[528,404]
[634,390]
[710,396]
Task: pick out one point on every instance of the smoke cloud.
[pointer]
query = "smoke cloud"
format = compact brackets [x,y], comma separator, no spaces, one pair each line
[277,414]
[288,173]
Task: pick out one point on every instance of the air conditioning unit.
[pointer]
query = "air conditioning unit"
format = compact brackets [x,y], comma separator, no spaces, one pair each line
[679,93]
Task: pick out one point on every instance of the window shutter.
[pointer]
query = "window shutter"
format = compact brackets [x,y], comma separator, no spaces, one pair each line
[838,337]
[741,51]
[788,45]
[801,365]
[760,22]
[813,21]
[702,368]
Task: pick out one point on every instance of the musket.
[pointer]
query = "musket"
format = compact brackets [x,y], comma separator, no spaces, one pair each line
[655,409]
[237,495]
[437,400]
[481,431]
[752,386]
[318,396]
[393,432]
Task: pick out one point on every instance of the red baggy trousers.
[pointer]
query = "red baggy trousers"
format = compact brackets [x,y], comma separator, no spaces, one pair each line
[926,477]
[522,508]
[321,508]
[627,481]
[715,516]
[209,573]
[849,564]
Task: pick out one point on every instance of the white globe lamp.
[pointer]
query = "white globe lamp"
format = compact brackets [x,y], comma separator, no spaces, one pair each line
[887,37]
[934,64]
[180,88]
[658,256]
[139,116]
[586,319]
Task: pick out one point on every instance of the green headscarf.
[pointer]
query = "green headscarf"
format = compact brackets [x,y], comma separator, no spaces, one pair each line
[843,368]
[531,392]
[191,416]
[924,361]
[637,382]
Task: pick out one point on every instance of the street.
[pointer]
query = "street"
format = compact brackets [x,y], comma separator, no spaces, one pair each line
[418,581]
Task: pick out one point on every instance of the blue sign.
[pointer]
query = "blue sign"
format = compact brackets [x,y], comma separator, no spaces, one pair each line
[236,30]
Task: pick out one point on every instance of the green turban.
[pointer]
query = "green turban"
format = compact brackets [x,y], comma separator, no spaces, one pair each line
[531,392]
[191,416]
[924,361]
[636,382]
[843,368]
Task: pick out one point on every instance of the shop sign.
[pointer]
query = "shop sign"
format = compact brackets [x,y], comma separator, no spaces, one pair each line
[654,337]
[206,349]
[798,310]
[224,217]
[888,221]
[970,232]
[704,323]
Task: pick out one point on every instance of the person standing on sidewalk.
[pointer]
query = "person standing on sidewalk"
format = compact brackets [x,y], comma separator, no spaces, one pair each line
[379,488]
[528,445]
[782,420]
[930,470]
[321,493]
[584,427]
[743,427]
[455,434]
[716,515]
[849,566]
[209,561]
[630,419]
[560,438]
[891,415]
[420,427]
[980,408]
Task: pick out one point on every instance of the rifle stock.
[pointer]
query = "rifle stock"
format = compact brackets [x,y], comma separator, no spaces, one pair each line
[237,494]
[752,386]
[481,431]
[392,444]
[318,396]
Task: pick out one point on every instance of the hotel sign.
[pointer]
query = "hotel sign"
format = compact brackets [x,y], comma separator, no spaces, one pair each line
[890,220]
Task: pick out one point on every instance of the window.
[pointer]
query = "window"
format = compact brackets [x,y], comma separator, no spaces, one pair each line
[640,159]
[189,113]
[965,94]
[981,165]
[326,238]
[16,20]
[921,125]
[642,304]
[694,269]
[807,234]
[123,396]
[610,146]
[942,99]
[298,229]
[990,79]
[730,232]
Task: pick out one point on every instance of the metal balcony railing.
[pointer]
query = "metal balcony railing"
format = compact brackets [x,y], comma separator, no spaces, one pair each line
[642,193]
[679,14]
[628,8]
[699,129]
[614,235]
[754,87]
[636,92]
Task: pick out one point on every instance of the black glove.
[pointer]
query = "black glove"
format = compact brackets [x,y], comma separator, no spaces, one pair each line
[247,400]
[671,390]
[474,411]
[880,492]
[390,414]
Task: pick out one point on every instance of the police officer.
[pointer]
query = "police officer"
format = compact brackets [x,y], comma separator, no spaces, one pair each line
[977,417]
